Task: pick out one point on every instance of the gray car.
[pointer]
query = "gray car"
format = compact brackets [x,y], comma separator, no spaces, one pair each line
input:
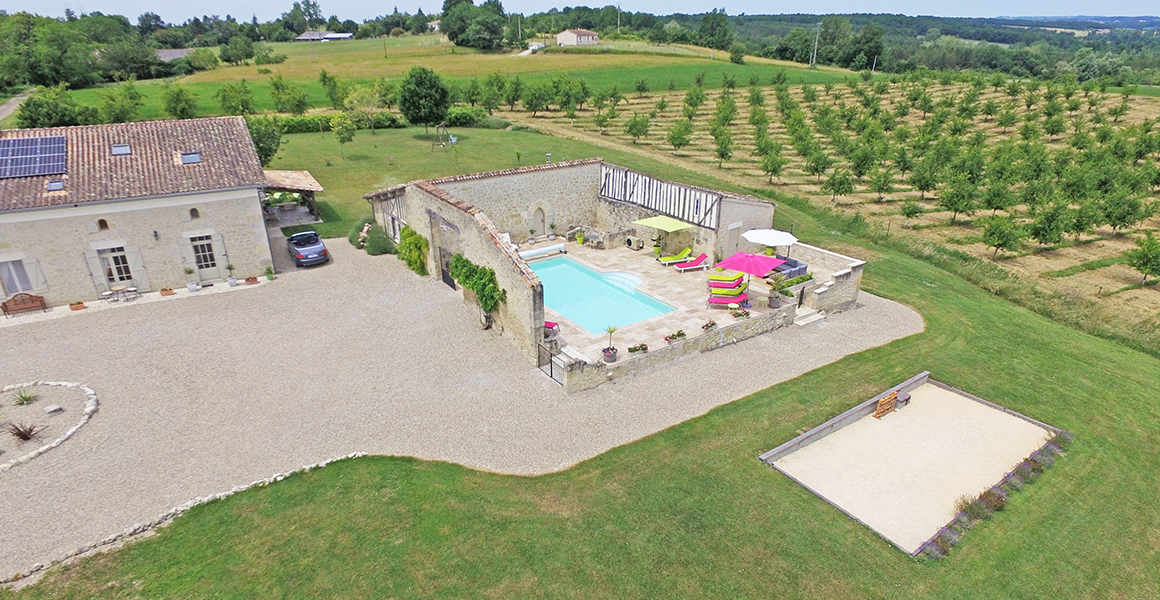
[307,249]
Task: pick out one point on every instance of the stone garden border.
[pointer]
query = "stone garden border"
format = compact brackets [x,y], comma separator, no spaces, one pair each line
[90,408]
[168,516]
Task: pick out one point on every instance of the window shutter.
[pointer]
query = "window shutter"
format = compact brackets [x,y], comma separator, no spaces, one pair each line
[219,254]
[35,275]
[137,267]
[95,270]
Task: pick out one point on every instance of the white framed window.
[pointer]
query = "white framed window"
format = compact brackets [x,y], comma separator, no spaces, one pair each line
[14,277]
[115,265]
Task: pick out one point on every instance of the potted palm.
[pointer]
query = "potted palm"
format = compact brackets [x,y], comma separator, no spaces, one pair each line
[232,280]
[776,284]
[532,236]
[191,285]
[609,352]
[552,235]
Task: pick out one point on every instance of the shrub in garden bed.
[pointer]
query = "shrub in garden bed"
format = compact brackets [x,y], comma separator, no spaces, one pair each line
[356,230]
[378,243]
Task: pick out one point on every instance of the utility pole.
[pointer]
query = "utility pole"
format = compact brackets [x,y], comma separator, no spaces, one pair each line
[814,56]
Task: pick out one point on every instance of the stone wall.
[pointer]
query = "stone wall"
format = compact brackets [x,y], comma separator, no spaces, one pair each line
[841,292]
[460,229]
[616,219]
[57,239]
[566,194]
[743,215]
[580,375]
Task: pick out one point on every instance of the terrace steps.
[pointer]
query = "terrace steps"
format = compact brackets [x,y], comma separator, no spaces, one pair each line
[806,315]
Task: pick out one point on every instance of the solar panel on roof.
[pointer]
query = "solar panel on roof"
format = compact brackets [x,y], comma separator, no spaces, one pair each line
[32,157]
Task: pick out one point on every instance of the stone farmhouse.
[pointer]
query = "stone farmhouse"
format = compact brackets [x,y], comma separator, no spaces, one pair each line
[577,37]
[86,209]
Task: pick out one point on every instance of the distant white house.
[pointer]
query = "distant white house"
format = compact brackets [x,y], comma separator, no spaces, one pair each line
[433,25]
[323,36]
[577,37]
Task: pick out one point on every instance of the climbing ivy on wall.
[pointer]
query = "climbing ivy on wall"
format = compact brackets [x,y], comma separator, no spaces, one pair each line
[413,250]
[480,280]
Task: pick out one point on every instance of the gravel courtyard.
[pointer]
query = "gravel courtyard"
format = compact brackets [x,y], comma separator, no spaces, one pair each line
[202,394]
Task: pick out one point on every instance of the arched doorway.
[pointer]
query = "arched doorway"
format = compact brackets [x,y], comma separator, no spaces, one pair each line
[538,222]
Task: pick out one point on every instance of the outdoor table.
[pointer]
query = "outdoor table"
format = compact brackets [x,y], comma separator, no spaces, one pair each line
[118,290]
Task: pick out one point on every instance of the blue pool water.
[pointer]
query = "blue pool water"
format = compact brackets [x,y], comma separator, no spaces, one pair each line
[594,300]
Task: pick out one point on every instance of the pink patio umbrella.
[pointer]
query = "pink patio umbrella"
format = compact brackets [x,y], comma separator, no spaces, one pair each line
[752,264]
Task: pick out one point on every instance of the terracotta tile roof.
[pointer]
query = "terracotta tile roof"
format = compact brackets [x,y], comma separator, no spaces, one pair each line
[153,168]
[294,181]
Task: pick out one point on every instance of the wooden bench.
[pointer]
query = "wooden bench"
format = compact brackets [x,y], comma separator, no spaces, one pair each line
[21,302]
[886,405]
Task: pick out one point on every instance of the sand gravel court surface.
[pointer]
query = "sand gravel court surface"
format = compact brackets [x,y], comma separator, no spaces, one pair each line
[901,474]
[204,393]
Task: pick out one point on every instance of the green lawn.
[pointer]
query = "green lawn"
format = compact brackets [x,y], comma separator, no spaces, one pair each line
[400,155]
[690,512]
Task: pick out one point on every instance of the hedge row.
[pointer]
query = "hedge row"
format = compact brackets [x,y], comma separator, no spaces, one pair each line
[318,123]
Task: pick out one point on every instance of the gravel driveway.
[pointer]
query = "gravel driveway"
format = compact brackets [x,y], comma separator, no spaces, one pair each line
[203,394]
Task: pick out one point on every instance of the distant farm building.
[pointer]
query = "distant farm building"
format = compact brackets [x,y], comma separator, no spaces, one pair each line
[323,36]
[577,37]
[172,54]
[433,25]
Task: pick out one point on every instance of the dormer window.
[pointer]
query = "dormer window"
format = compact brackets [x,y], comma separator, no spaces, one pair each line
[55,185]
[122,150]
[190,158]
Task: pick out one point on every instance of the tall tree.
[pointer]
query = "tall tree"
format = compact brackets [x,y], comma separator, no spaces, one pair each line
[343,129]
[423,98]
[715,31]
[267,137]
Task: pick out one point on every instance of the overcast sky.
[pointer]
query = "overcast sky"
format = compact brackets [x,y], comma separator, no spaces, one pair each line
[362,9]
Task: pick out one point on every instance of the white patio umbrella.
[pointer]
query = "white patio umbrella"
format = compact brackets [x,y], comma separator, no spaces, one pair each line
[771,237]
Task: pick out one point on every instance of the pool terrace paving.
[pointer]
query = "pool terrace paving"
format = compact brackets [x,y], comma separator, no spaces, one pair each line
[211,392]
[685,292]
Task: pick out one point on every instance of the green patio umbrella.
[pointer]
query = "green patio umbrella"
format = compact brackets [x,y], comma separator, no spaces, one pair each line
[663,223]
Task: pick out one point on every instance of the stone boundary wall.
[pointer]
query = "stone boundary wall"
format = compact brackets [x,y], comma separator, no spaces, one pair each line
[581,375]
[566,195]
[841,292]
[866,408]
[461,228]
[90,408]
[169,516]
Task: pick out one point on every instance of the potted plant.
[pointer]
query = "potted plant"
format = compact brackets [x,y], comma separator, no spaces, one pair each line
[251,280]
[552,235]
[532,236]
[657,245]
[776,284]
[672,337]
[167,291]
[232,280]
[76,305]
[191,285]
[610,351]
[270,273]
[708,325]
[580,237]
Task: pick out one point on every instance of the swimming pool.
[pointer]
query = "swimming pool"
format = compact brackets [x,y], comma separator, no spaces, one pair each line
[594,300]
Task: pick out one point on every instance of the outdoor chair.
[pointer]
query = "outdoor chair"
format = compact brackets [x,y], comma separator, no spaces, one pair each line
[676,258]
[131,290]
[701,262]
[727,285]
[105,293]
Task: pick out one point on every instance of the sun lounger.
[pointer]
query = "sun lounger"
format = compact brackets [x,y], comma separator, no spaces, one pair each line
[676,258]
[726,300]
[723,292]
[701,262]
[730,278]
[726,285]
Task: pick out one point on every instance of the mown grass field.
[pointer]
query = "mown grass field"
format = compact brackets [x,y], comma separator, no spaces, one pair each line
[619,63]
[690,512]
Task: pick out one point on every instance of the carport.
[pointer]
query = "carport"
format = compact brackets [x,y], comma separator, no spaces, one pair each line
[288,214]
